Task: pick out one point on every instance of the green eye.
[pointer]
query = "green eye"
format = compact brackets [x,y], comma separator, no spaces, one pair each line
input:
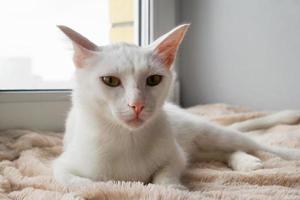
[111,81]
[153,80]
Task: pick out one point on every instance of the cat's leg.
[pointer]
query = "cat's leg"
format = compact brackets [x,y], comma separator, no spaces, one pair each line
[210,156]
[67,176]
[242,161]
[170,177]
[170,174]
[195,134]
[229,146]
[283,117]
[237,160]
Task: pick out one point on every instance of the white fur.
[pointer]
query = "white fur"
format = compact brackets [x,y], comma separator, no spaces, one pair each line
[283,117]
[99,144]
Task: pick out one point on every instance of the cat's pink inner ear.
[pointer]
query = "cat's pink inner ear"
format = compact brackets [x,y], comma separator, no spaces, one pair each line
[166,47]
[83,48]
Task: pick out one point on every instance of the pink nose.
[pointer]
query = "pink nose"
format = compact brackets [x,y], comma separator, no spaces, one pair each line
[137,107]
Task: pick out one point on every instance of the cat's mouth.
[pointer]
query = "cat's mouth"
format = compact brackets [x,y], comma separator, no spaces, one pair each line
[135,122]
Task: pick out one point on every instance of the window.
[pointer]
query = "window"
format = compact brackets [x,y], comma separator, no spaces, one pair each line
[35,55]
[38,96]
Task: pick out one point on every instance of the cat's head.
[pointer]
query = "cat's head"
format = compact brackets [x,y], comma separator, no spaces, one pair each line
[128,83]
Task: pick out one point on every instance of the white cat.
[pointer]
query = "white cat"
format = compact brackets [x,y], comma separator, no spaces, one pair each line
[121,128]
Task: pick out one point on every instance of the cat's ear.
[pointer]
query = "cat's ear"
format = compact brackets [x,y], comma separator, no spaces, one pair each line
[167,45]
[83,48]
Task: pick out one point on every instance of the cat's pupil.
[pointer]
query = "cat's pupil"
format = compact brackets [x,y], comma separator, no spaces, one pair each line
[153,80]
[111,81]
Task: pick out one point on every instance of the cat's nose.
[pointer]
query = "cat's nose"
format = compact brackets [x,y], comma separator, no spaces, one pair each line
[137,107]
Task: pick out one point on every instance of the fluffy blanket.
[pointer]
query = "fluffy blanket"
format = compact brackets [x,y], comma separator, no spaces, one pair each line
[25,168]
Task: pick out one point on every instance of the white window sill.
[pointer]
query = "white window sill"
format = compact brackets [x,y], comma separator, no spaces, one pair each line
[42,110]
[34,96]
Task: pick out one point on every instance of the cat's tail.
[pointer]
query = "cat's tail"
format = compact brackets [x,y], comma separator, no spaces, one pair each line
[283,117]
[268,121]
[195,134]
[228,140]
[232,140]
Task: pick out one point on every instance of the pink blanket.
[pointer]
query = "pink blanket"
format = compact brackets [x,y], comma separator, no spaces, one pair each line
[25,168]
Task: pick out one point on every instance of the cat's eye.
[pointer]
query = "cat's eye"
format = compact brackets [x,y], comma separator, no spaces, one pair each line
[111,81]
[153,80]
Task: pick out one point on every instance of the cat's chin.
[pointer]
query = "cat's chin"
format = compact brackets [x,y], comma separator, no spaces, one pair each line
[134,123]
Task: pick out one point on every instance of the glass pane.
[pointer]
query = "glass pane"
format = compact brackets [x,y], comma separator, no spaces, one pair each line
[34,54]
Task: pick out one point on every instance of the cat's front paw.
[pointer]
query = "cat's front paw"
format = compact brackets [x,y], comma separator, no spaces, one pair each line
[76,196]
[79,182]
[242,161]
[178,187]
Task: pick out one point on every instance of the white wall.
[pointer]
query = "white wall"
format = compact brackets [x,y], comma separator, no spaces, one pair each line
[165,17]
[241,52]
[34,110]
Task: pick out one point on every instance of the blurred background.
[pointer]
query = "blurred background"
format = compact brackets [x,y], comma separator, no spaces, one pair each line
[241,52]
[32,51]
